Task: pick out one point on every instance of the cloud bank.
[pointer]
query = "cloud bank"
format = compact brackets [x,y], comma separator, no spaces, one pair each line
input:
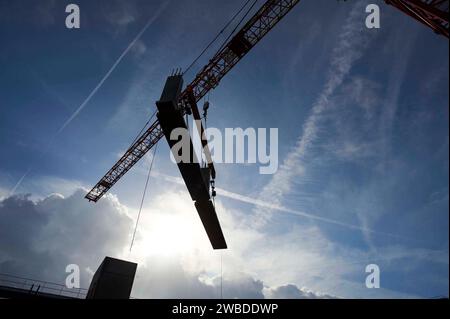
[38,238]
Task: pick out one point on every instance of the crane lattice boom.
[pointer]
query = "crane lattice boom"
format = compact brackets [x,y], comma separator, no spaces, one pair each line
[207,79]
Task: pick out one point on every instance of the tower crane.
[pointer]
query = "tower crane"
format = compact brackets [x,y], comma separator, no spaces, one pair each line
[175,102]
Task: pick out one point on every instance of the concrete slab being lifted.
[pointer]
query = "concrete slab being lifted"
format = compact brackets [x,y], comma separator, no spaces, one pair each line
[170,118]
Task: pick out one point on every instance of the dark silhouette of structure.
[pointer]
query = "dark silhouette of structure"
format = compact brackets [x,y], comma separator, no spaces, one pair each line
[112,280]
[195,177]
[15,287]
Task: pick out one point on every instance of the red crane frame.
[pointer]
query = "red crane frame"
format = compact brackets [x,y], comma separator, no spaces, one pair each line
[207,79]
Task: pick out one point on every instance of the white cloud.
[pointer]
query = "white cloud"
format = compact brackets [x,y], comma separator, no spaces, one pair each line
[3,193]
[39,238]
[176,259]
[139,49]
[363,93]
[50,184]
[291,291]
[120,13]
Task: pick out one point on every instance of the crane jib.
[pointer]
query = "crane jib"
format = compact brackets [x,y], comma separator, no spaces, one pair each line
[270,13]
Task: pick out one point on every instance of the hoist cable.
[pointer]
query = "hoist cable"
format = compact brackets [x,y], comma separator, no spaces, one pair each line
[217,36]
[143,197]
[221,275]
[237,26]
[139,134]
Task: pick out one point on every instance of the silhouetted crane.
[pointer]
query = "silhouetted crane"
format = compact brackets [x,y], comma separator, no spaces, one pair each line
[175,103]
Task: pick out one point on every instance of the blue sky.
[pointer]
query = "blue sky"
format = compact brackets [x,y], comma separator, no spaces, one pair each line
[363,147]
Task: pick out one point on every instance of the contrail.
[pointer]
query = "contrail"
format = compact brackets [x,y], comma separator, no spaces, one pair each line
[271,207]
[94,91]
[280,208]
[124,53]
[351,45]
[13,190]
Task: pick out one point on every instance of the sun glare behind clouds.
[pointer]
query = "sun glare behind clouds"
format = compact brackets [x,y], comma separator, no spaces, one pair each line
[170,228]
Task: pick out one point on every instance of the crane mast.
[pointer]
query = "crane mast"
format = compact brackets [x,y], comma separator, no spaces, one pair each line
[271,12]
